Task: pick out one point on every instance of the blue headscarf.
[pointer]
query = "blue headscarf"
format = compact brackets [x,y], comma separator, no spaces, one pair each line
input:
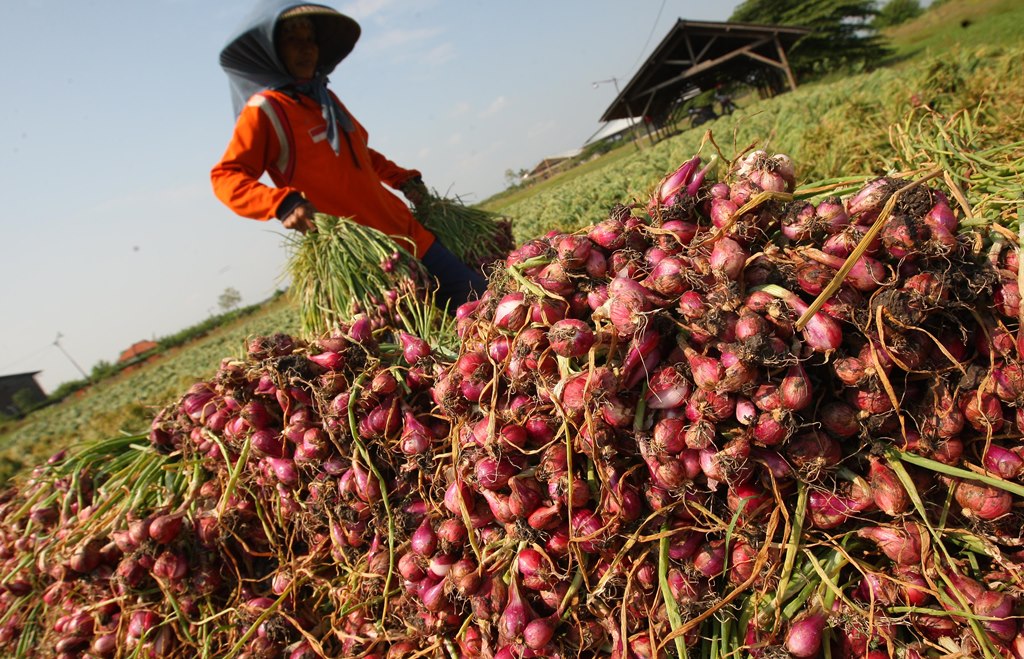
[252,65]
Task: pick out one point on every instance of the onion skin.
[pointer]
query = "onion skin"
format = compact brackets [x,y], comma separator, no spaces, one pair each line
[803,639]
[829,510]
[982,501]
[677,184]
[822,332]
[516,615]
[164,529]
[795,391]
[1000,606]
[886,489]
[1004,462]
[570,338]
[902,545]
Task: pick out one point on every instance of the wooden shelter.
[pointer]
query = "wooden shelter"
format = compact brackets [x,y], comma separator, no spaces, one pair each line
[17,389]
[697,56]
[550,166]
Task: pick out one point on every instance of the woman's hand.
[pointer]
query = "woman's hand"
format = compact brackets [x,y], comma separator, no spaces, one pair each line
[415,191]
[301,218]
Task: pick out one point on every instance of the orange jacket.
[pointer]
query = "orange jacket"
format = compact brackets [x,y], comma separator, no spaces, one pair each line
[284,135]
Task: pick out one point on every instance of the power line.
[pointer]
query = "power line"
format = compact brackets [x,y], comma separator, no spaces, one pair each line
[649,36]
[25,358]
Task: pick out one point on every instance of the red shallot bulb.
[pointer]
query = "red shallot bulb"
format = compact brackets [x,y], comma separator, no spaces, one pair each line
[886,489]
[571,338]
[982,501]
[902,545]
[803,639]
[684,181]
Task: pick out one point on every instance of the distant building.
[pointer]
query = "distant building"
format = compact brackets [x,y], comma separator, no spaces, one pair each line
[613,130]
[551,166]
[137,350]
[11,396]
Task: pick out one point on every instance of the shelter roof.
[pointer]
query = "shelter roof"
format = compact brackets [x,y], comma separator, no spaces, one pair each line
[613,128]
[12,376]
[697,55]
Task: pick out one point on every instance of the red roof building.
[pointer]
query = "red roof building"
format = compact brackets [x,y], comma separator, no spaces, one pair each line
[136,350]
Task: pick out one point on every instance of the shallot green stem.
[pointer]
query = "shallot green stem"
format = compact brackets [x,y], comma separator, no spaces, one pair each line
[354,430]
[980,635]
[577,581]
[179,614]
[235,471]
[793,541]
[529,286]
[942,468]
[531,263]
[671,605]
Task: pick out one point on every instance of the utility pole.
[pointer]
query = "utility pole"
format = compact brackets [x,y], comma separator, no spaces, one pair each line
[56,342]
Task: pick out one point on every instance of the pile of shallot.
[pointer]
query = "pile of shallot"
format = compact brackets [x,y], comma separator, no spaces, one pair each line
[742,420]
[738,419]
[263,518]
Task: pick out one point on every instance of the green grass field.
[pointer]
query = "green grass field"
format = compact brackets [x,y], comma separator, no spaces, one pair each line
[836,127]
[128,402]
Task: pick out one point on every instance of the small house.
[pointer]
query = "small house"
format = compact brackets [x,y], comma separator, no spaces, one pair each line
[136,351]
[19,390]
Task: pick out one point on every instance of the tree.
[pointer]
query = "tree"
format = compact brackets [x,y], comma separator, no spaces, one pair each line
[895,12]
[102,369]
[229,299]
[841,38]
[25,400]
[514,178]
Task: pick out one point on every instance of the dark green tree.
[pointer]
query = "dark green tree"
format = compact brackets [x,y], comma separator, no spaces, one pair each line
[25,400]
[102,369]
[842,37]
[895,12]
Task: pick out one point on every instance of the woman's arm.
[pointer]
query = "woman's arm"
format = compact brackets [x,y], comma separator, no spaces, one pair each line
[235,178]
[391,173]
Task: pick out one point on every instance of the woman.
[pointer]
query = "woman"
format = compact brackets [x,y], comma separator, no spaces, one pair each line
[293,128]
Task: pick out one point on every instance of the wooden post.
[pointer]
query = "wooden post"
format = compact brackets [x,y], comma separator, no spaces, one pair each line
[785,63]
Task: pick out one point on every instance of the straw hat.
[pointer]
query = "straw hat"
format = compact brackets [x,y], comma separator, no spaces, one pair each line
[336,33]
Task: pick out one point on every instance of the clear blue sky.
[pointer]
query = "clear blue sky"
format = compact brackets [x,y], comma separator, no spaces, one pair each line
[113,112]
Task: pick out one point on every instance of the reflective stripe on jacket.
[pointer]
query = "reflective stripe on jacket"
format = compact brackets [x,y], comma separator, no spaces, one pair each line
[284,135]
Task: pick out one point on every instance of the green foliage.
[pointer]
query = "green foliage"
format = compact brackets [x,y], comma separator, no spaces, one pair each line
[514,178]
[66,389]
[229,299]
[842,36]
[103,369]
[127,404]
[895,12]
[477,237]
[959,24]
[26,400]
[344,268]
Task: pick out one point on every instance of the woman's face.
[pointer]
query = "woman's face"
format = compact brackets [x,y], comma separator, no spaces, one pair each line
[296,46]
